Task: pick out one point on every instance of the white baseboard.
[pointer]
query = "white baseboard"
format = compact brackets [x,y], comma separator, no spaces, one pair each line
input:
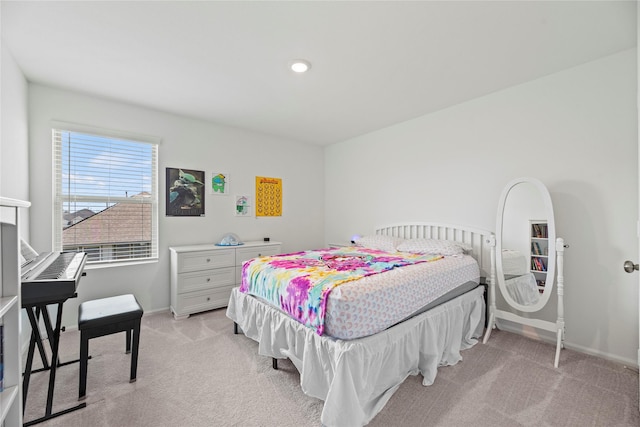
[630,363]
[158,310]
[551,338]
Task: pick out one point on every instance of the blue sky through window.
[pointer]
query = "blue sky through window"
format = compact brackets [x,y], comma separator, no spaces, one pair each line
[104,169]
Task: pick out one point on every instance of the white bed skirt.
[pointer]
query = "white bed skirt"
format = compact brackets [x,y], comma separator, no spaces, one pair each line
[356,378]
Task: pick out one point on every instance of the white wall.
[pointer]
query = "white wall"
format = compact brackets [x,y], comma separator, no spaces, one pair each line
[575,130]
[14,143]
[14,148]
[190,144]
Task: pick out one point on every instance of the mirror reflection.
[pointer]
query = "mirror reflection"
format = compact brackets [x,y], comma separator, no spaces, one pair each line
[527,256]
[524,248]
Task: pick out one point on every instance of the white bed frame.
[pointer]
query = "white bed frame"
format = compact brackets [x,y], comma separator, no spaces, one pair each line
[356,378]
[482,241]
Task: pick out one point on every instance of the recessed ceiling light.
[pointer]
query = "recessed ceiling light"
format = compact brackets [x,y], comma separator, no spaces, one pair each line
[300,66]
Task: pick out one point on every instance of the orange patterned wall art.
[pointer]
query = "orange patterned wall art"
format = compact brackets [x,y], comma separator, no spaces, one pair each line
[268,196]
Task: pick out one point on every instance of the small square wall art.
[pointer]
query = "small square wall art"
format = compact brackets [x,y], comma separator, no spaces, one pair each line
[219,183]
[242,205]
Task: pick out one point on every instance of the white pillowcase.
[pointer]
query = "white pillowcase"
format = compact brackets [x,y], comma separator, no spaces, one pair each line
[433,247]
[379,242]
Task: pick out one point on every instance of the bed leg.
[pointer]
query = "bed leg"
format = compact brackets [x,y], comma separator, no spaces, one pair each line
[274,363]
[235,328]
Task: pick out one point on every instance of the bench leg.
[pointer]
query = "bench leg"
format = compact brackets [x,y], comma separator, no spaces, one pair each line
[84,358]
[128,347]
[134,353]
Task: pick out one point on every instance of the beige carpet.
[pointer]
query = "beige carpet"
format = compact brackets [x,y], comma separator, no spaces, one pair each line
[196,372]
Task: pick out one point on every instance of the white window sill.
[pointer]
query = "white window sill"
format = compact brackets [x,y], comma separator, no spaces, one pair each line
[107,264]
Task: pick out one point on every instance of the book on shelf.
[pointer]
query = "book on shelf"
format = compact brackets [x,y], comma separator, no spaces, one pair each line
[535,248]
[538,264]
[535,230]
[539,231]
[543,264]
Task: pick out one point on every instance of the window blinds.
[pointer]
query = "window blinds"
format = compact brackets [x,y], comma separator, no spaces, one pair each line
[106,201]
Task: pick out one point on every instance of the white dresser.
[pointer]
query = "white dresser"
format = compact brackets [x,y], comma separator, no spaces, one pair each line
[202,276]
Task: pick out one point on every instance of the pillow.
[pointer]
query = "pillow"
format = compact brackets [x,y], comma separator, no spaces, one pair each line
[433,247]
[381,243]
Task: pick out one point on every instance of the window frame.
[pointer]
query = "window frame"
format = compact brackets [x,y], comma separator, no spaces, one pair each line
[59,198]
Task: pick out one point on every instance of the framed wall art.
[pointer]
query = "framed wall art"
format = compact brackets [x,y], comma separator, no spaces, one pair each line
[242,206]
[268,196]
[185,192]
[219,183]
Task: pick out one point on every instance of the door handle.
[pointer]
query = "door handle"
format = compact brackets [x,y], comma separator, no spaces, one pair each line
[630,267]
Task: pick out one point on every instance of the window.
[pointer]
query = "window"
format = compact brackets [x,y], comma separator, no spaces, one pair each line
[106,196]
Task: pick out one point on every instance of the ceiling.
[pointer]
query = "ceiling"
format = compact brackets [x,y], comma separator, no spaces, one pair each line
[374,64]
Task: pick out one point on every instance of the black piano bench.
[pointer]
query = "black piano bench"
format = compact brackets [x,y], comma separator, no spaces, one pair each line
[107,316]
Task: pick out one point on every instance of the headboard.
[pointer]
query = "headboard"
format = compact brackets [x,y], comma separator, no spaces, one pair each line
[482,241]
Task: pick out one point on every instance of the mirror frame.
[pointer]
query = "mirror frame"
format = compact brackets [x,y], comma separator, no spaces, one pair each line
[551,233]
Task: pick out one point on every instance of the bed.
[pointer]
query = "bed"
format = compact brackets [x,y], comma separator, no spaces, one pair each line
[355,375]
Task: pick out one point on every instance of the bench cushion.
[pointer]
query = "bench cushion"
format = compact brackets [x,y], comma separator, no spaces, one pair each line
[106,311]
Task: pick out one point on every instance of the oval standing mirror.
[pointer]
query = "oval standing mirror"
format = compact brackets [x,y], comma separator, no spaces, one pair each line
[525,244]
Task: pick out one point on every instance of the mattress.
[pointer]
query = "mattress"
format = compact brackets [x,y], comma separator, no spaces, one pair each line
[374,303]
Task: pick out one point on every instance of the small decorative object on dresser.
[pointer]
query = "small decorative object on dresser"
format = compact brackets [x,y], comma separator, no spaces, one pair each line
[202,276]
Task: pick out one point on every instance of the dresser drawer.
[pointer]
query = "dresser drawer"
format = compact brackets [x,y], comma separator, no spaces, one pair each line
[246,254]
[194,302]
[195,261]
[206,279]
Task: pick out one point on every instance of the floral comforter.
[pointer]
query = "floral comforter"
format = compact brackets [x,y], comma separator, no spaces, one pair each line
[299,283]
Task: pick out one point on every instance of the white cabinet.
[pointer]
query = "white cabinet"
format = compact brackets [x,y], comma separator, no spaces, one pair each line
[202,276]
[11,396]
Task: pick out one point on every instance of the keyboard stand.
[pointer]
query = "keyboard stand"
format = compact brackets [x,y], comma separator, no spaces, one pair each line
[33,312]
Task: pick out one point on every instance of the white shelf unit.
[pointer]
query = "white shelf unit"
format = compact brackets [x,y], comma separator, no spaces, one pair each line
[202,276]
[539,248]
[11,395]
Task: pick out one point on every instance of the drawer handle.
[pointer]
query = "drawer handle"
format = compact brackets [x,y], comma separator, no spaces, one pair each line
[208,279]
[259,254]
[208,298]
[208,259]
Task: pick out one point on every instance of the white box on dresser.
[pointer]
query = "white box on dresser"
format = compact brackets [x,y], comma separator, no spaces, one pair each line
[202,276]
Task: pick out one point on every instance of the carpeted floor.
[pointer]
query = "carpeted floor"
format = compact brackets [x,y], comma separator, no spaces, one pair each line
[196,372]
